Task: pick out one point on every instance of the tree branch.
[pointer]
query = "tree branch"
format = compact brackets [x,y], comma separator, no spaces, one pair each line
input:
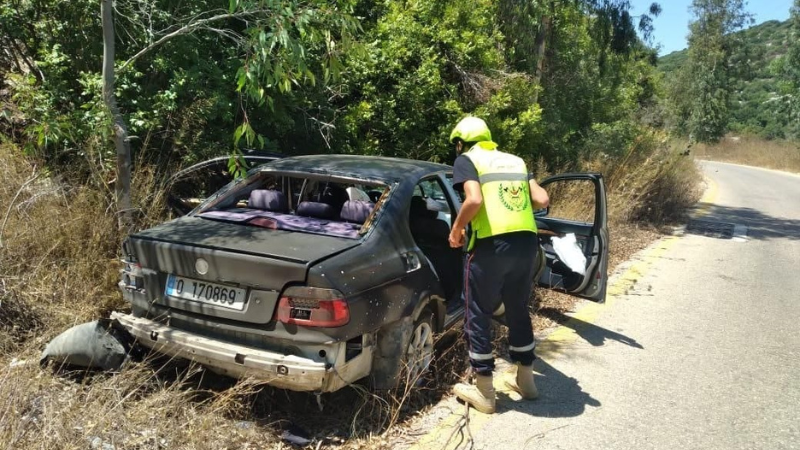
[186,29]
[22,55]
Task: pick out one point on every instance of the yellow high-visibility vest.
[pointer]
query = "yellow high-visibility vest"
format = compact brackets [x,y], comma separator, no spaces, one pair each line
[506,193]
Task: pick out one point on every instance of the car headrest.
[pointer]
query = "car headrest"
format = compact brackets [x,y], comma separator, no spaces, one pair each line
[419,209]
[316,209]
[268,200]
[334,196]
[356,211]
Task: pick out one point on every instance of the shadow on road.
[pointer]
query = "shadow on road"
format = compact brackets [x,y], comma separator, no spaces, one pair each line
[559,395]
[760,226]
[589,332]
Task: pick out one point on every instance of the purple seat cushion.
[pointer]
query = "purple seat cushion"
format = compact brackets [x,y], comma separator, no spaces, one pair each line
[316,209]
[268,200]
[286,222]
[356,211]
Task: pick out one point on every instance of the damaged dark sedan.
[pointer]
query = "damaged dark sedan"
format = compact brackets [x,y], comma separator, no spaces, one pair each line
[314,272]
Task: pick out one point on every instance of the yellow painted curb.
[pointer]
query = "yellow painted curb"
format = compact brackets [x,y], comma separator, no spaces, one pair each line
[565,335]
[708,199]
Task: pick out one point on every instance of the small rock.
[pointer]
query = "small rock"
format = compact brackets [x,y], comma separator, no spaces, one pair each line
[99,444]
[244,425]
[17,363]
[296,436]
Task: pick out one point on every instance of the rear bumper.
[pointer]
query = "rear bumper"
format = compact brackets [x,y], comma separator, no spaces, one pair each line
[283,371]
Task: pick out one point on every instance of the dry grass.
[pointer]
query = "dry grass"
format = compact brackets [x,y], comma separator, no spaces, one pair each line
[57,253]
[58,267]
[159,403]
[139,408]
[753,151]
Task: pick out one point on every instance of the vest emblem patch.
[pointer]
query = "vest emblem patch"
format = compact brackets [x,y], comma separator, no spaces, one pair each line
[512,195]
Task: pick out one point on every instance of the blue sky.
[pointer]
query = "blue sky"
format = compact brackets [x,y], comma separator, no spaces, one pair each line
[672,26]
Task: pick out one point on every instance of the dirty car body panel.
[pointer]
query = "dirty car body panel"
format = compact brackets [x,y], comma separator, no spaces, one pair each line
[254,263]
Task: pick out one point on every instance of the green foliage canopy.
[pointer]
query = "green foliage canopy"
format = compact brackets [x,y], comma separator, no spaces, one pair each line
[762,81]
[355,76]
[701,92]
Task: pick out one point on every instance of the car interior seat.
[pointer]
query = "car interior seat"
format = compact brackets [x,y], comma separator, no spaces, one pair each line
[335,196]
[268,200]
[356,211]
[425,226]
[431,235]
[317,210]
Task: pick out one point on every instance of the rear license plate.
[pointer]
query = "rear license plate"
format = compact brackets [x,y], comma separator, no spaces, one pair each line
[205,292]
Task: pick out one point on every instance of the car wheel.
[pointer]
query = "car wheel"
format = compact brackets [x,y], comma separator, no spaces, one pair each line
[419,353]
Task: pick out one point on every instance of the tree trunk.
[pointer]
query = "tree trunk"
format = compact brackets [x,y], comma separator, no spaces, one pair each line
[541,47]
[18,54]
[122,186]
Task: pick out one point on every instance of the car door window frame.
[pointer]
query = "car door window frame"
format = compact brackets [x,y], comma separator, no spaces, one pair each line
[453,198]
[598,239]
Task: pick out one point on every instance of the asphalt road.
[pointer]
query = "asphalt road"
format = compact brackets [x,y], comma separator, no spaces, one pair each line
[703,352]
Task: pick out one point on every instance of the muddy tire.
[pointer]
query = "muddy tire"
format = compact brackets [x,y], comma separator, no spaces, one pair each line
[419,351]
[397,349]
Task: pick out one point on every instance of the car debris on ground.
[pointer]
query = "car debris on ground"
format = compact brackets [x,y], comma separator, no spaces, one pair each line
[102,344]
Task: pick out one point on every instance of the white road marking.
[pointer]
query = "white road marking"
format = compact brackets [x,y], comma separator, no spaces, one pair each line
[739,233]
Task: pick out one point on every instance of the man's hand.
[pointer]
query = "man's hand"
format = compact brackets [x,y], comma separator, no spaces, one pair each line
[457,237]
[469,208]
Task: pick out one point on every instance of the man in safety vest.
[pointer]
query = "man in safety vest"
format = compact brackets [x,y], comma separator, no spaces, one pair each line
[500,198]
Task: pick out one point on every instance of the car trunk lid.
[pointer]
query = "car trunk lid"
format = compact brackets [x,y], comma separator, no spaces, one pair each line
[258,262]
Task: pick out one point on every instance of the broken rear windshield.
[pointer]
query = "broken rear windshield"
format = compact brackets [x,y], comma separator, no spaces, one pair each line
[306,203]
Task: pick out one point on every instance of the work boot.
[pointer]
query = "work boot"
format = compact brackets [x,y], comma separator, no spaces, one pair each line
[480,395]
[523,383]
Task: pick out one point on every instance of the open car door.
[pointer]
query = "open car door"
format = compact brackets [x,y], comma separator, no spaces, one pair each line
[189,187]
[577,206]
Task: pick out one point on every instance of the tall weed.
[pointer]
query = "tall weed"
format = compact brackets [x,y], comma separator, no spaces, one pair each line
[58,248]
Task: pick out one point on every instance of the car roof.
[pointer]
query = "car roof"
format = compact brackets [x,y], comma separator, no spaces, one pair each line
[357,166]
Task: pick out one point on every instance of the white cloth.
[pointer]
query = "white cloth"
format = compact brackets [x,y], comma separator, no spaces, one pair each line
[570,253]
[355,193]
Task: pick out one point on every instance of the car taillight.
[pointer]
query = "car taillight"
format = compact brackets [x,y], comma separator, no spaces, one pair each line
[313,307]
[132,276]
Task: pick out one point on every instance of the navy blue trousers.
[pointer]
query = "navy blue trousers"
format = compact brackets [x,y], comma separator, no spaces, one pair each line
[499,269]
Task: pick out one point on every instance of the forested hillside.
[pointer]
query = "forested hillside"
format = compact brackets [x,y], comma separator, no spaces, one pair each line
[759,93]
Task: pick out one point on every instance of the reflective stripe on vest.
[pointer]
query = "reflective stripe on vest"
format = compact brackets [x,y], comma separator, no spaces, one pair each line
[506,194]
